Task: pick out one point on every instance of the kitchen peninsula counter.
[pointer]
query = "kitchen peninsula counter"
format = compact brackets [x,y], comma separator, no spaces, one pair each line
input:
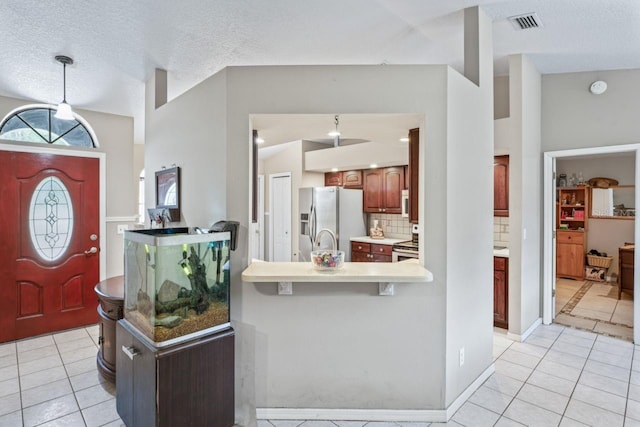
[386,274]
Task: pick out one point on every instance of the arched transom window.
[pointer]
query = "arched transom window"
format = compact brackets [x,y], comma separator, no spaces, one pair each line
[37,123]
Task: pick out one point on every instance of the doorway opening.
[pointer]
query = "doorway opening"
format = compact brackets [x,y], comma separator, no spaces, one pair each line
[589,236]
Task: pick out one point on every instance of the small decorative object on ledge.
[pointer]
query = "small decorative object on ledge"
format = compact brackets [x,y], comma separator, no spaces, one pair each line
[159,216]
[376,232]
[600,182]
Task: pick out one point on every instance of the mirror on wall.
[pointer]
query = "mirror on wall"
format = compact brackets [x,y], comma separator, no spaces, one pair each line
[616,202]
[168,191]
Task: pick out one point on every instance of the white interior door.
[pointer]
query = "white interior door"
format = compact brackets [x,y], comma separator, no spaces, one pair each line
[261,217]
[280,203]
[257,228]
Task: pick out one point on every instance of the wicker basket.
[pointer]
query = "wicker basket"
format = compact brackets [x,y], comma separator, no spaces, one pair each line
[599,261]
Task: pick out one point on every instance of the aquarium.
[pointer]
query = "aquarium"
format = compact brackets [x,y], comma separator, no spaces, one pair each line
[176,283]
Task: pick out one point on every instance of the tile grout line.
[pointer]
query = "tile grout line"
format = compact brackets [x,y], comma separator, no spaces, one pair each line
[578,381]
[529,376]
[626,402]
[501,414]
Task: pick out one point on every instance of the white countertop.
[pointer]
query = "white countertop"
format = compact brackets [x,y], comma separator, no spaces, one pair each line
[351,272]
[503,253]
[385,241]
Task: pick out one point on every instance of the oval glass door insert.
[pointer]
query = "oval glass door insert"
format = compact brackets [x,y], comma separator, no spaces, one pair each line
[50,218]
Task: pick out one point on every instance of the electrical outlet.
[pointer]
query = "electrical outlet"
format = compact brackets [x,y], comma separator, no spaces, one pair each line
[122,227]
[462,356]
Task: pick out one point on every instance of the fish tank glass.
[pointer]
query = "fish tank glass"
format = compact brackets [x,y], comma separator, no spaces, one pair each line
[176,283]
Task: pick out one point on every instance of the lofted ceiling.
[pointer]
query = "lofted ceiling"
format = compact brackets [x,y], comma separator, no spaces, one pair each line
[116,44]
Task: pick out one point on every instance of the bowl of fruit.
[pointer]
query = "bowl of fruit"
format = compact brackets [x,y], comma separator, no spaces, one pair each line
[327,260]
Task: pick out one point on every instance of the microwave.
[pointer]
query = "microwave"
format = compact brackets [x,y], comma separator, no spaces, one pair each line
[405,203]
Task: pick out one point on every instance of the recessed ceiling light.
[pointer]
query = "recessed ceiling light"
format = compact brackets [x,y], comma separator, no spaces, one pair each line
[404,139]
[334,169]
[373,165]
[259,140]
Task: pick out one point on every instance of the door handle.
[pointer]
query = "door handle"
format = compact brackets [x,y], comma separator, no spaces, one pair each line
[91,251]
[312,235]
[131,352]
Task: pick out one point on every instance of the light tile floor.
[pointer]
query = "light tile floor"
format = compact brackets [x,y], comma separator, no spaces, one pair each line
[560,376]
[52,380]
[595,307]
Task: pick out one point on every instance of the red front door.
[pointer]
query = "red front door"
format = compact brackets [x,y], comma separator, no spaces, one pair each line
[49,243]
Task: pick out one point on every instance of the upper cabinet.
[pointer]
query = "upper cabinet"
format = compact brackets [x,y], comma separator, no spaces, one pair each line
[383,190]
[352,179]
[501,186]
[413,173]
[346,179]
[333,179]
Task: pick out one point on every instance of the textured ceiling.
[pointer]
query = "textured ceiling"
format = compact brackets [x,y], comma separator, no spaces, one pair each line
[116,44]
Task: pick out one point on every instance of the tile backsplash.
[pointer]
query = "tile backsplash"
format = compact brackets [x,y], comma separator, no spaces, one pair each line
[392,225]
[501,231]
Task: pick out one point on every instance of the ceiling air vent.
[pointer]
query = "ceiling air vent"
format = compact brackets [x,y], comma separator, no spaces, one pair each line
[526,21]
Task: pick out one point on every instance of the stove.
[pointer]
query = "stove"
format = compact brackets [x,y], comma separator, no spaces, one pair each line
[407,249]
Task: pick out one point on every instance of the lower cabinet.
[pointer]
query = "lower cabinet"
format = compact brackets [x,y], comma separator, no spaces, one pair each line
[625,269]
[368,252]
[501,292]
[187,384]
[570,254]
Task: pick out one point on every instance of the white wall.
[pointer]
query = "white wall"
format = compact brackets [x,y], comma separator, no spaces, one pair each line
[525,194]
[574,118]
[115,136]
[300,351]
[501,97]
[187,132]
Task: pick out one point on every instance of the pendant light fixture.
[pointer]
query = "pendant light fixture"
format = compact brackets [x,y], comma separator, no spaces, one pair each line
[64,110]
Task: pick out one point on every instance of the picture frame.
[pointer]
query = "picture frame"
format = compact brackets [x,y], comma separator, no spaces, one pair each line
[168,191]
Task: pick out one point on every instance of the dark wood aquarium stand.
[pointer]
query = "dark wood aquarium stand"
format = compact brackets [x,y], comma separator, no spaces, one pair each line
[186,384]
[110,302]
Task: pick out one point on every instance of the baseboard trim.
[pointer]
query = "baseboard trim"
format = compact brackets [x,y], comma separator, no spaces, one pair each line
[406,415]
[526,333]
[466,394]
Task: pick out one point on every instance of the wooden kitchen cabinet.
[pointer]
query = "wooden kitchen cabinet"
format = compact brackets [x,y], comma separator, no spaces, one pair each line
[571,235]
[501,186]
[187,384]
[346,179]
[367,252]
[352,179]
[625,269]
[501,292]
[570,253]
[383,190]
[413,172]
[333,179]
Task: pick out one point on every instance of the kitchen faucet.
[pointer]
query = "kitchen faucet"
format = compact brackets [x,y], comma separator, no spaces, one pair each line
[334,242]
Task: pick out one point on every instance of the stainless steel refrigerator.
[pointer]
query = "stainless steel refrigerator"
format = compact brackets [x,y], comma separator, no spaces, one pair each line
[335,208]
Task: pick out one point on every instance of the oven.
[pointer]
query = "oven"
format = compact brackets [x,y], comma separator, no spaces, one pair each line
[404,250]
